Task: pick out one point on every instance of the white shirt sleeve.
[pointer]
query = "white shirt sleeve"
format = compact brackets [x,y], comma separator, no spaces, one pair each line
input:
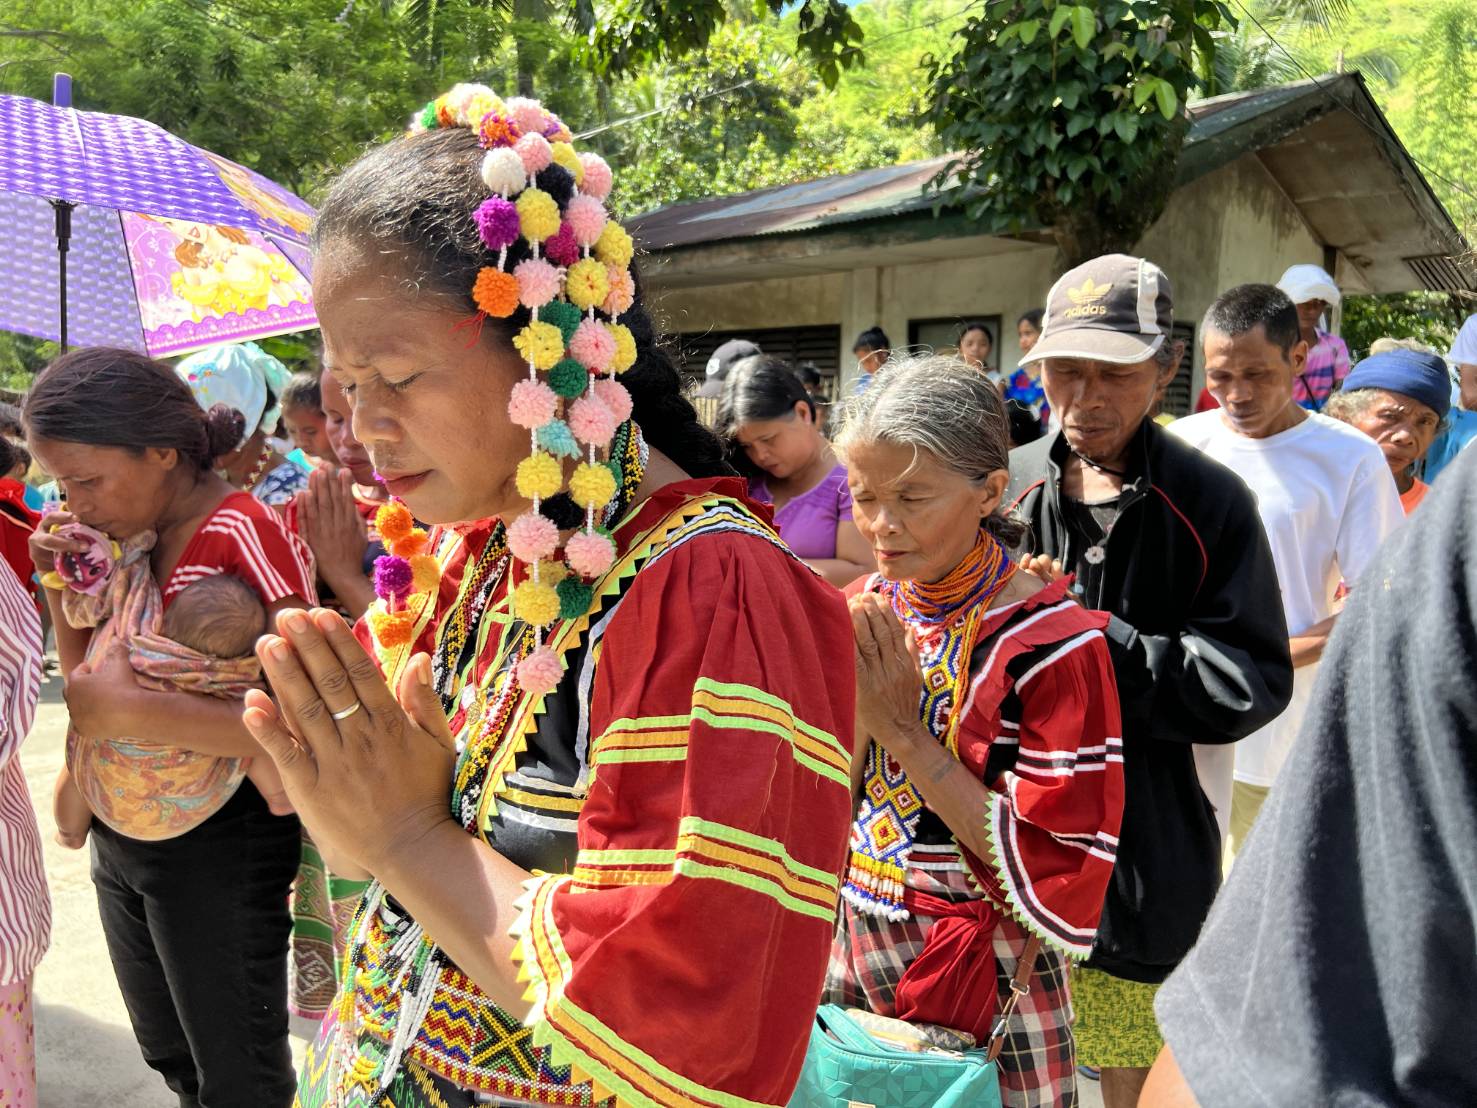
[1371,513]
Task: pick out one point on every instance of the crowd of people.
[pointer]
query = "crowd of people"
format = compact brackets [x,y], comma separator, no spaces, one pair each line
[516,737]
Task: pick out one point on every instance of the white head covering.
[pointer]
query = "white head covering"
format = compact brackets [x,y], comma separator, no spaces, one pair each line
[241,376]
[1464,350]
[1309,282]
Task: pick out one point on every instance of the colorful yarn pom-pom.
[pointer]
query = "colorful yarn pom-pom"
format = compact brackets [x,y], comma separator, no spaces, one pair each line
[589,553]
[532,537]
[393,521]
[531,404]
[393,578]
[392,629]
[540,672]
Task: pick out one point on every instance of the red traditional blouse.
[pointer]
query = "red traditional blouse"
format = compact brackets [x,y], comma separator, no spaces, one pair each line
[683,795]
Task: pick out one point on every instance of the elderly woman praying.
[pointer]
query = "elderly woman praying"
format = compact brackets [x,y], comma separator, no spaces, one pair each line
[989,769]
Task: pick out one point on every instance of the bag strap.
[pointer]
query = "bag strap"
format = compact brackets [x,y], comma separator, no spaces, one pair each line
[1020,985]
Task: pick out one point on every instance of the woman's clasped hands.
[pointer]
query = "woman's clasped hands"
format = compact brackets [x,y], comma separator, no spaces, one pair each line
[889,677]
[369,772]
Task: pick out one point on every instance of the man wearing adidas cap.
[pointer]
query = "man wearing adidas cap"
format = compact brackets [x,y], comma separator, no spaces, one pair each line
[1168,542]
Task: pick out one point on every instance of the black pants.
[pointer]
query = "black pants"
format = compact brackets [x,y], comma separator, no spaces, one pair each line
[197,929]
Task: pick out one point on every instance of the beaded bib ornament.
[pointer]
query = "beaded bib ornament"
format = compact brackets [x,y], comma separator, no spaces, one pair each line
[575,284]
[946,617]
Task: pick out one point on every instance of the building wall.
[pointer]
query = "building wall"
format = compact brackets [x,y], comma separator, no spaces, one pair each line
[783,302]
[1232,226]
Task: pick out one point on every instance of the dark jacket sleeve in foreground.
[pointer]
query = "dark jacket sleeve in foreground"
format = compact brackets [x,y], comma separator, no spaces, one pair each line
[1339,963]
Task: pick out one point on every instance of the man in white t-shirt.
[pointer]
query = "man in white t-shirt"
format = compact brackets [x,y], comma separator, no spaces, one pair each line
[1323,490]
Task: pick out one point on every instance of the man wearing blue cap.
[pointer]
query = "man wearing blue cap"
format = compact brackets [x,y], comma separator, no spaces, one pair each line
[1399,398]
[1323,491]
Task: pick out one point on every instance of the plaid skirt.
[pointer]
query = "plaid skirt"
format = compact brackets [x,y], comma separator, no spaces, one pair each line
[1037,1066]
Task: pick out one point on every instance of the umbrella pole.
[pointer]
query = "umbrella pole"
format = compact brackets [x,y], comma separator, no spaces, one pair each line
[63,245]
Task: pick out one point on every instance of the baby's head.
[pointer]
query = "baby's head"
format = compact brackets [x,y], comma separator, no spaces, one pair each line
[220,616]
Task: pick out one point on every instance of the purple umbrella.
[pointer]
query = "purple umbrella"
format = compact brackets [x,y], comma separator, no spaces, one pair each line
[122,234]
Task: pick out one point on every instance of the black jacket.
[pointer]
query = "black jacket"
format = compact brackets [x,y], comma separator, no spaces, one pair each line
[1199,647]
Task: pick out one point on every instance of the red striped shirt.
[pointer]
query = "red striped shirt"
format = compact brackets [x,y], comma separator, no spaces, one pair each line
[245,538]
[25,905]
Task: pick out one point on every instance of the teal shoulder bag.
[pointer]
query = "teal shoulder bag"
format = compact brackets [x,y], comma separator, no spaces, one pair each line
[847,1068]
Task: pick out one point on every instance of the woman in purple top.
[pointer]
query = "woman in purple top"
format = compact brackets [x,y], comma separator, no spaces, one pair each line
[770,423]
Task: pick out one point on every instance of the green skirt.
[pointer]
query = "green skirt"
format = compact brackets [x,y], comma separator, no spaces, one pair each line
[1115,1024]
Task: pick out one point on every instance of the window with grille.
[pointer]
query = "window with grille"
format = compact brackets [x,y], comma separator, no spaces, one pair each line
[820,346]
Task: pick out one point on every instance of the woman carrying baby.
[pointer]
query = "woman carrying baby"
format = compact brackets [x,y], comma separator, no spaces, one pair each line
[134,453]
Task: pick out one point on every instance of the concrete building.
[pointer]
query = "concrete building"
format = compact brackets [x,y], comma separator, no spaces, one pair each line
[1306,172]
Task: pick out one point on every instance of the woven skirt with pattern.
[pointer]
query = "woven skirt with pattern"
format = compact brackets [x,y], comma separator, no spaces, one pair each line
[322,905]
[1038,1065]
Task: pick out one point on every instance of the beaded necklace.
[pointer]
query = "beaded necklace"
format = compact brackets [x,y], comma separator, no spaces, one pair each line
[950,614]
[256,474]
[477,585]
[974,582]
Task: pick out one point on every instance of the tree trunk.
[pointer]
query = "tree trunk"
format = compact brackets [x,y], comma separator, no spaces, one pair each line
[528,55]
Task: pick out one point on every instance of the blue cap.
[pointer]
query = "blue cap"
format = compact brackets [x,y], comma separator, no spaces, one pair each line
[1412,373]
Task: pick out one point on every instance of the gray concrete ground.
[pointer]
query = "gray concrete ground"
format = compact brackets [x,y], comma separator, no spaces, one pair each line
[85,1049]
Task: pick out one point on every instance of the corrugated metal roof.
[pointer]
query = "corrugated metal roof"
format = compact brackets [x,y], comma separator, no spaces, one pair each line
[891,190]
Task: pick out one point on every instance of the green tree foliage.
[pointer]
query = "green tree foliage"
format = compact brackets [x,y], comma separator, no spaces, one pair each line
[1079,133]
[1420,57]
[746,114]
[1430,317]
[627,35]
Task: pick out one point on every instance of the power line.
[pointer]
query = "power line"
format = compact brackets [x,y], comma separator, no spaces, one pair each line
[661,111]
[1434,172]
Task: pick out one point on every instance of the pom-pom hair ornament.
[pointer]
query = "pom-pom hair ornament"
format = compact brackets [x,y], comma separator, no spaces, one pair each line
[541,344]
[614,396]
[593,346]
[592,485]
[591,421]
[536,603]
[532,538]
[392,629]
[539,476]
[503,172]
[497,223]
[586,284]
[495,293]
[622,292]
[534,152]
[585,218]
[494,130]
[567,293]
[589,553]
[538,213]
[408,546]
[625,348]
[538,282]
[425,572]
[532,404]
[393,577]
[539,673]
[598,178]
[569,380]
[394,521]
[561,248]
[615,246]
